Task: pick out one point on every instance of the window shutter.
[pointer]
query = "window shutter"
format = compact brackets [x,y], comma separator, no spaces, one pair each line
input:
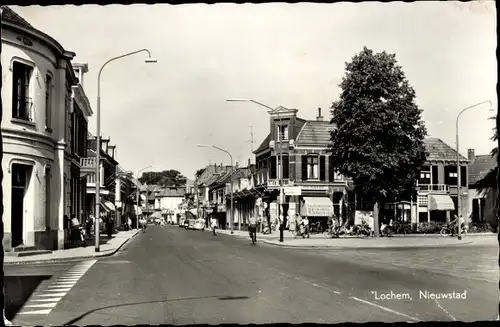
[304,168]
[463,176]
[330,169]
[322,168]
[286,167]
[272,171]
[435,179]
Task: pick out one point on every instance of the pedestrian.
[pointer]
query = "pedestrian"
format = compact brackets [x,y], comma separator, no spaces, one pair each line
[292,227]
[213,225]
[88,226]
[252,228]
[109,226]
[305,222]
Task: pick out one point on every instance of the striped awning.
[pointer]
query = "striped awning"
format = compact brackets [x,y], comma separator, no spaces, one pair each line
[441,202]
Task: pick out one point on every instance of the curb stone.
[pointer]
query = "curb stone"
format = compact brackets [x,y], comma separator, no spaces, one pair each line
[71,259]
[323,247]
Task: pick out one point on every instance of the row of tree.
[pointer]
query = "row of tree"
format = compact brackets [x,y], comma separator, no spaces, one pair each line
[171,178]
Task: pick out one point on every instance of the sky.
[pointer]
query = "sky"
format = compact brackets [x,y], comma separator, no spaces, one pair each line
[291,55]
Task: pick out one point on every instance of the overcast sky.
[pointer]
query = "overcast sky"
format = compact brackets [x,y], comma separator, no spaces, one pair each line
[279,54]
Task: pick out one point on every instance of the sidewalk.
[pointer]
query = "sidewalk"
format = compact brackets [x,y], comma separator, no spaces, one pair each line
[107,247]
[317,241]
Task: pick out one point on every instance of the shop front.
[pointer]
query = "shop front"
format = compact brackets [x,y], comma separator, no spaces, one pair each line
[317,209]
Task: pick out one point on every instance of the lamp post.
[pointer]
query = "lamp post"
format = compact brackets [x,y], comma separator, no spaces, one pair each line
[280,200]
[231,222]
[459,184]
[98,136]
[138,193]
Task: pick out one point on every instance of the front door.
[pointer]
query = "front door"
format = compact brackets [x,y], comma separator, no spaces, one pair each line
[17,204]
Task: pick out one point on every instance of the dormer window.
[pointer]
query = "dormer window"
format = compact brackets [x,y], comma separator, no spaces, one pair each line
[283,133]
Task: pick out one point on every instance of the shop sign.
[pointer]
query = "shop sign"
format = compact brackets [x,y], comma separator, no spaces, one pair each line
[293,190]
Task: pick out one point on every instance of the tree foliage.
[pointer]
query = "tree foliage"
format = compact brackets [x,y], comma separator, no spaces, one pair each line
[379,134]
[170,177]
[199,172]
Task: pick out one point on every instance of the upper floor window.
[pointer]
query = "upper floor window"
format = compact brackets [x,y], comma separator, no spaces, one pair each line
[48,102]
[21,97]
[312,167]
[282,133]
[425,175]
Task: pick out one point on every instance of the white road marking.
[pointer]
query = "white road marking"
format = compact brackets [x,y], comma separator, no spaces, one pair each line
[384,308]
[43,305]
[37,312]
[53,299]
[55,292]
[447,313]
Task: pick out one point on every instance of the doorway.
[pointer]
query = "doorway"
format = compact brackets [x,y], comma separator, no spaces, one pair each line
[19,188]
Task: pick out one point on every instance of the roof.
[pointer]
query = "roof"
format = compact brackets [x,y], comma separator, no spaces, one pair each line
[314,133]
[480,166]
[172,192]
[299,125]
[437,149]
[10,15]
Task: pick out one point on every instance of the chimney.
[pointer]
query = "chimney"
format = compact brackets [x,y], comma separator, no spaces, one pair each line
[471,155]
[236,164]
[319,118]
[249,162]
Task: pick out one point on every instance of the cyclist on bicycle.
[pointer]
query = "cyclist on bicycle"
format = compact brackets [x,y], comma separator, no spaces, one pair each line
[453,223]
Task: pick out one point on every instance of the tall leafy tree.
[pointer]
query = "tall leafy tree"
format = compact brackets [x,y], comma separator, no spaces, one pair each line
[489,181]
[170,177]
[199,172]
[378,136]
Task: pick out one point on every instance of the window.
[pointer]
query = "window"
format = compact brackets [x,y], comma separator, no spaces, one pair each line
[286,167]
[48,102]
[272,170]
[282,133]
[453,175]
[312,167]
[21,100]
[47,196]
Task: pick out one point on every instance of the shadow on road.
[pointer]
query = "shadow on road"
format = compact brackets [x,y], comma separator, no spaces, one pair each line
[221,298]
[18,289]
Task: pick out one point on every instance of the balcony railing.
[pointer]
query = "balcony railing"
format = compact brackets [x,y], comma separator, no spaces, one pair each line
[87,163]
[442,188]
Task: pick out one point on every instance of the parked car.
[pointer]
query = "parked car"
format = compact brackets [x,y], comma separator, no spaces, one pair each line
[199,224]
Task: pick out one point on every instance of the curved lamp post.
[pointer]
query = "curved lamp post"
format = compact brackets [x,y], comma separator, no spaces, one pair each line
[459,182]
[280,156]
[98,145]
[231,222]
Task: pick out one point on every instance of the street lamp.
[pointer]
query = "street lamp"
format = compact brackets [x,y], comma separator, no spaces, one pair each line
[98,146]
[231,222]
[138,192]
[459,184]
[280,156]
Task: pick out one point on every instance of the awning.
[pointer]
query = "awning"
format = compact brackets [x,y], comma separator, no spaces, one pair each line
[110,205]
[317,207]
[105,207]
[441,202]
[194,212]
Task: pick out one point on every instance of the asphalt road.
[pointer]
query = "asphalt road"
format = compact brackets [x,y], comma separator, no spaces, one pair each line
[169,275]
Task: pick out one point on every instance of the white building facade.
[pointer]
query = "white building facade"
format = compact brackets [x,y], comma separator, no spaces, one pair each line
[37,96]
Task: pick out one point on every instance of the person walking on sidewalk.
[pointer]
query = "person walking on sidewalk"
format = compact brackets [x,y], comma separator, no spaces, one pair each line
[305,223]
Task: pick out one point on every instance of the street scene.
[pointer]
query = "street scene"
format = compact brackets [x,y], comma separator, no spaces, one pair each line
[272,163]
[224,279]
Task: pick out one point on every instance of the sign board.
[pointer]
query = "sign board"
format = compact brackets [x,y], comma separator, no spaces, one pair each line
[292,190]
[315,187]
[313,210]
[367,216]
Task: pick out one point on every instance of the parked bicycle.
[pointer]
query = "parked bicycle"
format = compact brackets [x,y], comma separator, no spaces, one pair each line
[362,230]
[316,228]
[401,228]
